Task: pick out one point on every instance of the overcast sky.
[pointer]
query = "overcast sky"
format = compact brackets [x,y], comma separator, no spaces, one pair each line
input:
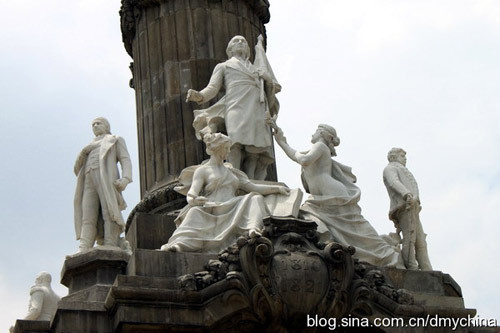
[422,75]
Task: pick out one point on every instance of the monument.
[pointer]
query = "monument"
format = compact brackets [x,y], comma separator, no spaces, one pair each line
[239,255]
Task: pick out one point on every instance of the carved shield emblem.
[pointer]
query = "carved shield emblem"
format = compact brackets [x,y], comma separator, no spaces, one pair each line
[300,278]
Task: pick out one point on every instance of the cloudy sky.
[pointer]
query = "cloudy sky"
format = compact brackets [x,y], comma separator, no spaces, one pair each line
[421,75]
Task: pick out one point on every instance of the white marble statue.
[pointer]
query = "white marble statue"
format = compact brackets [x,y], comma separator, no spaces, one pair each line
[333,200]
[43,300]
[98,199]
[216,215]
[404,211]
[242,112]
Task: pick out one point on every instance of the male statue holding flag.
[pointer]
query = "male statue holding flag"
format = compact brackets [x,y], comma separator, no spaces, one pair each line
[243,111]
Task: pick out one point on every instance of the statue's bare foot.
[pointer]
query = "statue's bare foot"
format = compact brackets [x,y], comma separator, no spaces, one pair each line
[254,233]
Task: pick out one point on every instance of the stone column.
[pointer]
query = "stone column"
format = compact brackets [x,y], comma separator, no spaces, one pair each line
[175,45]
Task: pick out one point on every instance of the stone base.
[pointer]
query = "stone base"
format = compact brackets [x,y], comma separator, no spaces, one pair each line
[111,291]
[81,321]
[88,276]
[436,291]
[32,326]
[94,267]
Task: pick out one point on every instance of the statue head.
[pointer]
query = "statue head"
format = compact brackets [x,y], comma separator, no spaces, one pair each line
[43,278]
[101,126]
[329,136]
[217,143]
[238,45]
[397,155]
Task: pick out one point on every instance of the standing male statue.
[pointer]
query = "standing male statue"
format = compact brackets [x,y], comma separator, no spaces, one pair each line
[242,112]
[405,208]
[98,198]
[43,300]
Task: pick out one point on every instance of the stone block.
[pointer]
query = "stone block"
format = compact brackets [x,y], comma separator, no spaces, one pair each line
[32,326]
[439,301]
[89,299]
[430,289]
[157,263]
[150,231]
[429,282]
[81,321]
[97,266]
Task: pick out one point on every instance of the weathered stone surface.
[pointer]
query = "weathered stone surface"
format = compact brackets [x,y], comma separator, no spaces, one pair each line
[81,321]
[150,231]
[96,266]
[89,299]
[166,264]
[266,283]
[433,282]
[32,326]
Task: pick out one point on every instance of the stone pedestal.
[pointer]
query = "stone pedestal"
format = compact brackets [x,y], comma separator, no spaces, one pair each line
[436,291]
[95,267]
[89,277]
[267,283]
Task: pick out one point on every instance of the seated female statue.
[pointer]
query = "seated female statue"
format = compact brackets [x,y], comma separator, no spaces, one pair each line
[216,215]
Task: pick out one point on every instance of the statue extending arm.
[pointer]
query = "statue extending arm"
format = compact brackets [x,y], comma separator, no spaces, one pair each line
[281,140]
[303,159]
[210,90]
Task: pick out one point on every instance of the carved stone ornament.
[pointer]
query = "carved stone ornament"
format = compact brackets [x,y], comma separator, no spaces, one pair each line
[288,274]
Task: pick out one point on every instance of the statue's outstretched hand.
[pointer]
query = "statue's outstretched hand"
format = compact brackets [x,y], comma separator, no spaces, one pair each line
[279,135]
[194,96]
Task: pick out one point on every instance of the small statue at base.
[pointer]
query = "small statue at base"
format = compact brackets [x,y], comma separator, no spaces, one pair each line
[405,208]
[216,215]
[98,199]
[43,300]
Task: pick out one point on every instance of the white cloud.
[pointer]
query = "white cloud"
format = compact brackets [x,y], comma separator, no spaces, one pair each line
[379,24]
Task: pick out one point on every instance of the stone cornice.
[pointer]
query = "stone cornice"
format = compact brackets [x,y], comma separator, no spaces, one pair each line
[130,12]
